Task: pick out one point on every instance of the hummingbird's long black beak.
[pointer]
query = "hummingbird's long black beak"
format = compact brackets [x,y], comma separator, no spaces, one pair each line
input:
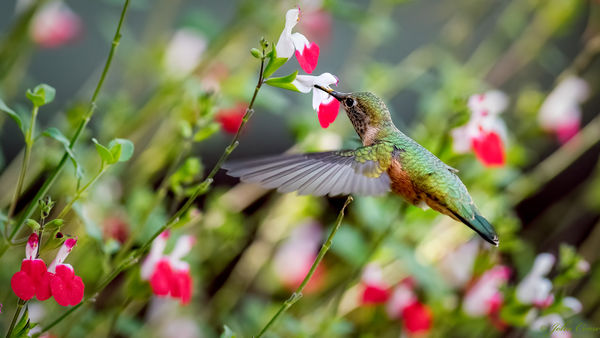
[339,96]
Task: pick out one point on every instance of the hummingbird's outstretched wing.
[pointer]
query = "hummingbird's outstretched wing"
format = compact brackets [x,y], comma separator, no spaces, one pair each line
[361,171]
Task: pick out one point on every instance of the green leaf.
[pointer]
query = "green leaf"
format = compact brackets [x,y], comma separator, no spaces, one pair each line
[35,226]
[256,53]
[273,64]
[206,132]
[284,82]
[115,150]
[58,136]
[126,147]
[14,115]
[104,153]
[42,94]
[227,332]
[21,330]
[54,224]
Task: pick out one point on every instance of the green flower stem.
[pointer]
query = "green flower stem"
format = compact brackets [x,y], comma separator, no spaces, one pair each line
[80,192]
[86,118]
[298,293]
[25,164]
[20,305]
[201,189]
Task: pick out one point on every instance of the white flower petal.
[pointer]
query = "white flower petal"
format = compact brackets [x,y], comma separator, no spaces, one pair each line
[299,41]
[156,253]
[62,254]
[285,45]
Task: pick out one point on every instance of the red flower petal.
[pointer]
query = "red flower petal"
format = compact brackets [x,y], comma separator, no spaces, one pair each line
[566,131]
[22,285]
[44,290]
[374,294]
[67,288]
[182,286]
[417,317]
[309,57]
[489,149]
[231,119]
[328,112]
[161,278]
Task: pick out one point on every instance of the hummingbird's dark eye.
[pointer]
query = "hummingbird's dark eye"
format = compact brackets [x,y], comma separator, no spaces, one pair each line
[349,102]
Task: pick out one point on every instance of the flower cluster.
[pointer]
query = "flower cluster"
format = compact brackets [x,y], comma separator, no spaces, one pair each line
[169,275]
[58,280]
[485,133]
[401,301]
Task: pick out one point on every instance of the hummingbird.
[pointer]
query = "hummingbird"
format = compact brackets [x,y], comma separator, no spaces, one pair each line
[389,160]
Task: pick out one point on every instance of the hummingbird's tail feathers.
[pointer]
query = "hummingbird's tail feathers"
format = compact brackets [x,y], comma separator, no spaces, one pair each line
[328,173]
[481,226]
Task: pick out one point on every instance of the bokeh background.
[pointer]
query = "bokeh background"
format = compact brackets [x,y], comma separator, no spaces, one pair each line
[183,70]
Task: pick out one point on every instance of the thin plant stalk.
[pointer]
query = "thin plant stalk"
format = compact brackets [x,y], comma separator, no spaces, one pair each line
[85,120]
[201,189]
[298,293]
[20,305]
[25,164]
[80,192]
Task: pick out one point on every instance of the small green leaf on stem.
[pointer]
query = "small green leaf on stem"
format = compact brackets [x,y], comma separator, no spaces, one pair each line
[22,328]
[284,82]
[35,226]
[227,332]
[105,154]
[41,95]
[123,148]
[14,115]
[206,132]
[273,64]
[54,224]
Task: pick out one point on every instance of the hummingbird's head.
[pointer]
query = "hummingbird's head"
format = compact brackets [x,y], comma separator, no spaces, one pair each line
[366,111]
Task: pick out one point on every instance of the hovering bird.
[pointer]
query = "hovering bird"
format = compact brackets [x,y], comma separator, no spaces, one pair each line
[388,160]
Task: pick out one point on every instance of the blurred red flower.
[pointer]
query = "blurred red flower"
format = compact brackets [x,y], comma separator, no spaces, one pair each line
[231,119]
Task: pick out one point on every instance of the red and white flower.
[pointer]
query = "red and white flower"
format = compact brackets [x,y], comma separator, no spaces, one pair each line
[169,275]
[374,289]
[535,288]
[55,25]
[404,304]
[59,280]
[289,43]
[485,133]
[67,288]
[295,256]
[561,112]
[327,106]
[484,298]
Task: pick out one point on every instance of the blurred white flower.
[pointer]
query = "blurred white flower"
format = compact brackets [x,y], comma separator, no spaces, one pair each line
[457,266]
[484,297]
[535,288]
[561,113]
[402,296]
[184,51]
[54,25]
[573,304]
[485,133]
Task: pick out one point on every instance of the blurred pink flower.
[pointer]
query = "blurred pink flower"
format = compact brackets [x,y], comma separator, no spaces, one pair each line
[327,106]
[561,113]
[485,133]
[184,51]
[295,256]
[535,288]
[403,304]
[374,289]
[316,22]
[484,298]
[306,52]
[55,25]
[116,228]
[169,275]
[457,266]
[231,119]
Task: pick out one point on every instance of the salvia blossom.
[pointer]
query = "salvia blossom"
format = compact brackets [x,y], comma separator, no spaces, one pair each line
[58,280]
[457,266]
[485,133]
[168,274]
[561,112]
[484,298]
[184,51]
[55,25]
[374,289]
[327,106]
[403,304]
[535,288]
[295,256]
[289,43]
[553,323]
[231,119]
